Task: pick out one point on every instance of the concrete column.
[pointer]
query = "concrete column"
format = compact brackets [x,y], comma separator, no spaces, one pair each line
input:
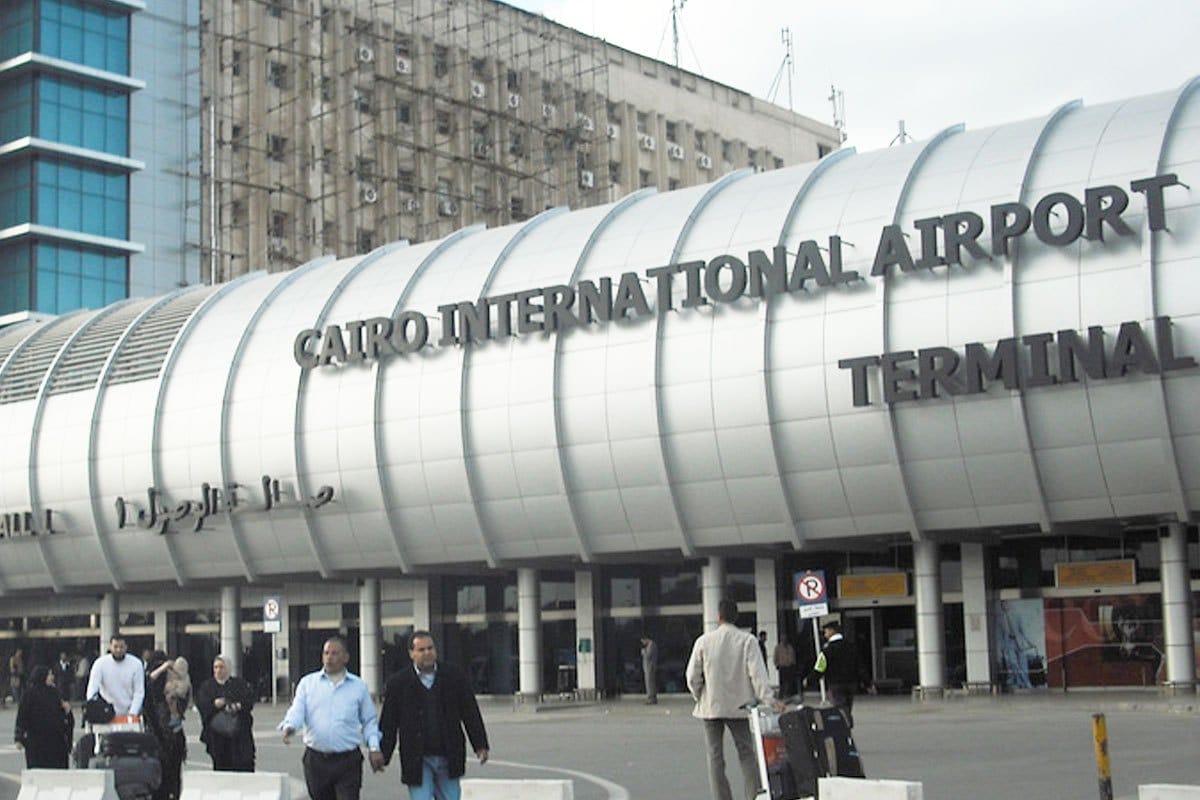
[1178,637]
[422,606]
[931,646]
[161,631]
[529,633]
[587,627]
[368,635]
[231,627]
[766,607]
[712,589]
[109,613]
[975,613]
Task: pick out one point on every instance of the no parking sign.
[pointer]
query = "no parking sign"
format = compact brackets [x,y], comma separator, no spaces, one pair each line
[812,593]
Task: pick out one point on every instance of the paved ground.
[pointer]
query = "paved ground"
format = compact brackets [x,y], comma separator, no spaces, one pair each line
[1035,747]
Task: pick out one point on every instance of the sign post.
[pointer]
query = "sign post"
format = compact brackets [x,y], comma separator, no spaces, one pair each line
[812,601]
[272,623]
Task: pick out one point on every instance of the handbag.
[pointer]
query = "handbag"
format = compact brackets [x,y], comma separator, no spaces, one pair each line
[223,723]
[98,711]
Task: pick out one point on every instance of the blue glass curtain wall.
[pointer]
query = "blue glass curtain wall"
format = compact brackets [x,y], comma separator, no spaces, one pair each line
[16,28]
[85,34]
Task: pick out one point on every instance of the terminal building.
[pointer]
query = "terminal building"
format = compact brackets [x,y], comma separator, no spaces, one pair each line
[954,379]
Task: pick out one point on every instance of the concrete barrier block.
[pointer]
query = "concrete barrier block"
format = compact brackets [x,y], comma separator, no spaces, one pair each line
[62,784]
[1159,791]
[198,785]
[861,789]
[488,789]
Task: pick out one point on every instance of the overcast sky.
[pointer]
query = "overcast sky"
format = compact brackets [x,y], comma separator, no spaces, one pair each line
[932,63]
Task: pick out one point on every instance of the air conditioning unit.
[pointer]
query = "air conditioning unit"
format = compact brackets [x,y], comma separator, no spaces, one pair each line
[368,194]
[279,246]
[675,151]
[547,110]
[411,205]
[612,130]
[514,100]
[587,179]
[478,90]
[365,54]
[647,142]
[703,161]
[482,150]
[447,208]
[403,66]
[585,122]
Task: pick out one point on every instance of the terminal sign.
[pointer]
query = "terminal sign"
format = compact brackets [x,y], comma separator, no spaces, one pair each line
[812,594]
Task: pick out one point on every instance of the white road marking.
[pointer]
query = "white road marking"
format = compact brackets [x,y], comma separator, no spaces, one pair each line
[615,791]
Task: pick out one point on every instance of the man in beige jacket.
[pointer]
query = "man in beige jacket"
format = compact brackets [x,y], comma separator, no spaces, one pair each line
[726,672]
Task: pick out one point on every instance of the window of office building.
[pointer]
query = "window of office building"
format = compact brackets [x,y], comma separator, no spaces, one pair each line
[516,209]
[364,100]
[276,146]
[16,109]
[642,122]
[85,33]
[481,199]
[672,131]
[16,193]
[280,224]
[403,112]
[442,122]
[277,75]
[614,172]
[441,61]
[645,178]
[79,114]
[86,199]
[405,181]
[70,277]
[364,240]
[15,263]
[16,28]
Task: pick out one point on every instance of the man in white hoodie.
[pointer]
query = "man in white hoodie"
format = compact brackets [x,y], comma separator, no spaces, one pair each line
[725,673]
[119,678]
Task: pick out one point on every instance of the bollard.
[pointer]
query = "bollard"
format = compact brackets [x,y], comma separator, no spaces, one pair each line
[1100,739]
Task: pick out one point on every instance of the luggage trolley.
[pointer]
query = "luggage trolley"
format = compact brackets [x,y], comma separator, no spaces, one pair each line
[774,772]
[124,746]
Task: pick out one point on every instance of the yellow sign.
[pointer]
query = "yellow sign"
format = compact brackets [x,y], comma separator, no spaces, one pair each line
[1095,573]
[887,584]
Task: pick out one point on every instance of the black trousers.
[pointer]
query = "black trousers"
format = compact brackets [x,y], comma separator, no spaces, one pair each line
[842,696]
[333,776]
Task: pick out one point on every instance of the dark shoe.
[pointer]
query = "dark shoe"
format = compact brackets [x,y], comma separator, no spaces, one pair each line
[652,702]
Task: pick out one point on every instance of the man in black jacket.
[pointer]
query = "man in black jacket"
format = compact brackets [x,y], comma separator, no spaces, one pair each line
[838,663]
[425,709]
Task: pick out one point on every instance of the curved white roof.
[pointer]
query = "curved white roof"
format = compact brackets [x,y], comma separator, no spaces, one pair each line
[726,425]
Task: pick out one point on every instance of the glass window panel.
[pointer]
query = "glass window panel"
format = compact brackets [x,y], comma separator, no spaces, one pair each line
[69,293]
[92,293]
[16,28]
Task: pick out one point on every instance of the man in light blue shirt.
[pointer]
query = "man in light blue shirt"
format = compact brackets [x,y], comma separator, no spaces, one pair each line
[335,709]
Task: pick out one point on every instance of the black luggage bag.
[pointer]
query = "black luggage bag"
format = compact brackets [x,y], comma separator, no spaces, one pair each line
[819,744]
[131,755]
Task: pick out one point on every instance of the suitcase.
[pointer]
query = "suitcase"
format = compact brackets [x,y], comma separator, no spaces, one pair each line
[819,745]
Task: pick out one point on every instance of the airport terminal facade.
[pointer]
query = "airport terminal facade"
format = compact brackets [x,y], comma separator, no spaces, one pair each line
[957,377]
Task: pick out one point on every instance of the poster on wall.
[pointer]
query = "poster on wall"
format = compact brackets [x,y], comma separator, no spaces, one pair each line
[1019,642]
[1112,640]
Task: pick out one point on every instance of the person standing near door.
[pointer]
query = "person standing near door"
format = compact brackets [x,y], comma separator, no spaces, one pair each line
[838,664]
[650,669]
[785,661]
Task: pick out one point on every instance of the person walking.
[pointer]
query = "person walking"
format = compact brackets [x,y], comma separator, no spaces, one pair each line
[426,707]
[838,663]
[16,674]
[650,669]
[83,669]
[119,678]
[725,673]
[784,657]
[44,723]
[335,709]
[165,723]
[64,676]
[230,742]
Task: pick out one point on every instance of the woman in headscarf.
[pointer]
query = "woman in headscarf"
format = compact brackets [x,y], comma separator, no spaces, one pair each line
[44,723]
[231,747]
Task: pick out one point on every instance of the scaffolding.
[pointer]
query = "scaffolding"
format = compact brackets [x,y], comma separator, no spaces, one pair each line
[338,126]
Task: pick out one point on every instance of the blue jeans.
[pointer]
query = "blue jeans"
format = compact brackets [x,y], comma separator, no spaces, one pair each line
[436,783]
